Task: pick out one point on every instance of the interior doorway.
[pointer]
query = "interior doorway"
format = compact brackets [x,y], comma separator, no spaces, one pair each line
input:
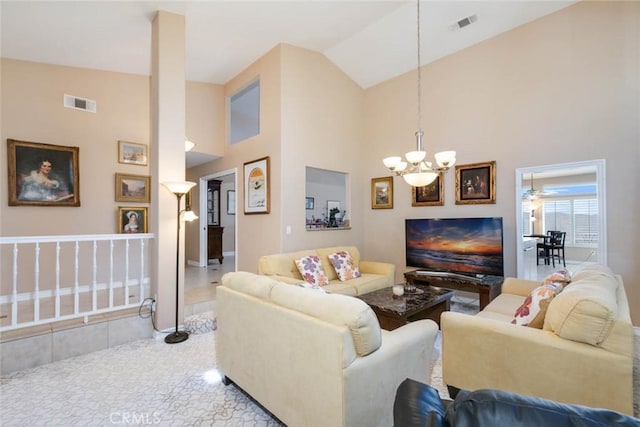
[218,221]
[567,188]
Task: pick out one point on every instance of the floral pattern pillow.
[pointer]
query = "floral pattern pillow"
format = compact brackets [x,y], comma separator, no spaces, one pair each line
[344,265]
[532,311]
[311,270]
[562,277]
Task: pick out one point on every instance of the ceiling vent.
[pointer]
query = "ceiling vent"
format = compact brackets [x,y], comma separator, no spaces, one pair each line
[463,22]
[78,103]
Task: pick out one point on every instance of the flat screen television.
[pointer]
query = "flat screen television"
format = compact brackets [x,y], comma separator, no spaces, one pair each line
[469,246]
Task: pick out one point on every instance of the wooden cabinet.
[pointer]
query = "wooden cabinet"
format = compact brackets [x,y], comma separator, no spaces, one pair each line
[214,230]
[214,243]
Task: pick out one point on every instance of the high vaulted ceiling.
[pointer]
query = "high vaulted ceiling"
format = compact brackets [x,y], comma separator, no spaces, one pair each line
[371,41]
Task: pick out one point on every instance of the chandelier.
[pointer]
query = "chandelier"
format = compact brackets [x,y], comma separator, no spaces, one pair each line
[416,171]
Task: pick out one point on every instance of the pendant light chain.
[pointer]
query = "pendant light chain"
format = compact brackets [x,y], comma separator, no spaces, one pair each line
[419,72]
[416,171]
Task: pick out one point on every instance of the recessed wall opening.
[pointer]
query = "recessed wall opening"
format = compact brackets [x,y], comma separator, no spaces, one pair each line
[326,204]
[244,113]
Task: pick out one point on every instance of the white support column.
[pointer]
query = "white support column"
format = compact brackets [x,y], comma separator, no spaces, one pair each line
[168,124]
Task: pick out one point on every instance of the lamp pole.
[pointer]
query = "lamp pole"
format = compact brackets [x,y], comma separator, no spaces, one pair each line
[179,189]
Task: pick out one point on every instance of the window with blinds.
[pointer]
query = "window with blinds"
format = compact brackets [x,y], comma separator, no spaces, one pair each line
[578,217]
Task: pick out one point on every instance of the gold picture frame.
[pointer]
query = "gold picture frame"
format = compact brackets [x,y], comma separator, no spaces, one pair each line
[382,193]
[133,153]
[42,174]
[257,196]
[476,183]
[133,219]
[133,188]
[429,195]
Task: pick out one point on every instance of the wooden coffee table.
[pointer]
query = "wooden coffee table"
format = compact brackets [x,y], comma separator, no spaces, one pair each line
[392,312]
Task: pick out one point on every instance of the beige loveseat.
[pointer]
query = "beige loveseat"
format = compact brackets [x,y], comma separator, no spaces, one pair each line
[312,358]
[375,275]
[582,355]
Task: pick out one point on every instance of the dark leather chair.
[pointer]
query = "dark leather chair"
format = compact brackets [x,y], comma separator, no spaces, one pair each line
[419,405]
[552,248]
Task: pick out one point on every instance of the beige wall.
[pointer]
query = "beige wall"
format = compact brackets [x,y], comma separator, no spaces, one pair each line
[205,117]
[32,110]
[561,89]
[322,127]
[257,234]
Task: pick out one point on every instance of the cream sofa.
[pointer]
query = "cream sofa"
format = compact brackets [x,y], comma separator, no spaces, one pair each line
[313,358]
[582,355]
[375,275]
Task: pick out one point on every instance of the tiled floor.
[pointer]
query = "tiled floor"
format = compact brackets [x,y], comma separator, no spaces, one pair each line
[200,285]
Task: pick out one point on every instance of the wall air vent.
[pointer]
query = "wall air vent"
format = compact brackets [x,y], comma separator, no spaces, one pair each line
[464,22]
[84,104]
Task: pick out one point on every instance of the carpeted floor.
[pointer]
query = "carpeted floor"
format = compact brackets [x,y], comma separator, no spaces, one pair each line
[148,382]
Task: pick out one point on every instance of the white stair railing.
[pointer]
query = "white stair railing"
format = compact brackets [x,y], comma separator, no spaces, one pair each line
[45,279]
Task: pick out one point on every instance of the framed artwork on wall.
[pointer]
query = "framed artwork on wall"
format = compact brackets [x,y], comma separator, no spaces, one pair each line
[231,202]
[256,186]
[42,174]
[309,203]
[132,219]
[132,153]
[429,195]
[133,188]
[476,183]
[382,193]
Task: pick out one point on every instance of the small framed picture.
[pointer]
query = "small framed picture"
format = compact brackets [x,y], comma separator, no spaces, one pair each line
[231,202]
[309,203]
[133,188]
[132,153]
[382,193]
[428,195]
[256,186]
[476,183]
[42,174]
[132,219]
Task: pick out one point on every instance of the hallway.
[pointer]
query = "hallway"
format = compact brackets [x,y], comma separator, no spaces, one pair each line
[200,285]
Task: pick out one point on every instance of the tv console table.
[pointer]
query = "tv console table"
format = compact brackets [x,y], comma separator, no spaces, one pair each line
[487,287]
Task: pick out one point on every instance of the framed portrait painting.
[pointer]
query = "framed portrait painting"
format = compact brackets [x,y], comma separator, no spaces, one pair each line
[132,153]
[132,219]
[42,174]
[256,186]
[429,195]
[382,193]
[476,183]
[133,188]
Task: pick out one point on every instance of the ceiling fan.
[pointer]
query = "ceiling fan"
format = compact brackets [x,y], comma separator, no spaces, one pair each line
[533,193]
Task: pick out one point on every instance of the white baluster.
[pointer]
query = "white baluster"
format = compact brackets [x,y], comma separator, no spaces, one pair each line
[94,296]
[14,296]
[142,295]
[111,245]
[126,273]
[57,280]
[36,291]
[76,290]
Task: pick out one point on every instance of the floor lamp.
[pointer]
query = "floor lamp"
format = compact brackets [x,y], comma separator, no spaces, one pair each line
[179,188]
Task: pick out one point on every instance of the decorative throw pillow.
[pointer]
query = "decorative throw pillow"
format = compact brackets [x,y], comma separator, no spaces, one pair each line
[344,265]
[561,276]
[311,270]
[532,311]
